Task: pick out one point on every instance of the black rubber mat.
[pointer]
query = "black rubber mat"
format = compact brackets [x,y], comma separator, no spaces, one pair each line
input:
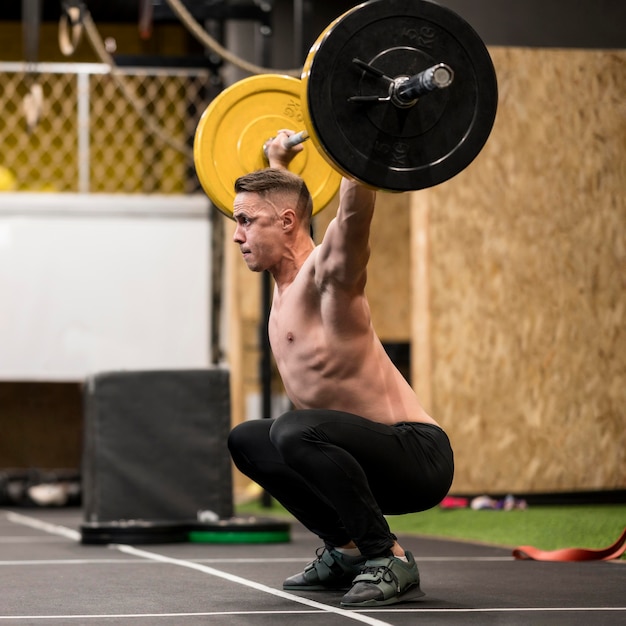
[229,530]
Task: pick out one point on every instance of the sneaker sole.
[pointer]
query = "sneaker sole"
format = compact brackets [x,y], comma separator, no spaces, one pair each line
[411,594]
[315,588]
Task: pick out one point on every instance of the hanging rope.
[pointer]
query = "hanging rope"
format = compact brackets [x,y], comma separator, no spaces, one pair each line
[70,30]
[209,42]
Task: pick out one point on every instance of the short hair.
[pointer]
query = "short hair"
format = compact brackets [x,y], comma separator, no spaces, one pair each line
[270,182]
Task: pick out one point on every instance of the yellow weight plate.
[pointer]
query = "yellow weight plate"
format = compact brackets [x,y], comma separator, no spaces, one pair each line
[231,132]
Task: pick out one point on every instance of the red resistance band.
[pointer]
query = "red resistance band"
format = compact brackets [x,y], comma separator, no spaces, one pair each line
[573,554]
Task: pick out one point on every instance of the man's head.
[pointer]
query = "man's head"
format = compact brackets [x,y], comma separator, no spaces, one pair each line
[272,208]
[281,188]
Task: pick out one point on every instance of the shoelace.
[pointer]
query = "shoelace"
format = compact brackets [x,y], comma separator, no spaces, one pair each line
[334,567]
[319,552]
[382,573]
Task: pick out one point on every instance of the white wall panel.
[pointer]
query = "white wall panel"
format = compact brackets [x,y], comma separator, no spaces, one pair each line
[93,283]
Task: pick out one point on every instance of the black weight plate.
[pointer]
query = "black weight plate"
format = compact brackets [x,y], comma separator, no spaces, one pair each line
[133,532]
[383,145]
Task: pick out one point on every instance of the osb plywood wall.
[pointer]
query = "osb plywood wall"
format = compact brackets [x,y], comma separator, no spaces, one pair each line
[527,276]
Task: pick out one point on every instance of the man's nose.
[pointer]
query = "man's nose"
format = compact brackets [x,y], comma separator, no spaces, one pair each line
[237,235]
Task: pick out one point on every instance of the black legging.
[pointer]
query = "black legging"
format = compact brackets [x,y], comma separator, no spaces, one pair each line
[339,473]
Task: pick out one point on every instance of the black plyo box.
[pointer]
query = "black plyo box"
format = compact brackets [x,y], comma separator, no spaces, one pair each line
[155,445]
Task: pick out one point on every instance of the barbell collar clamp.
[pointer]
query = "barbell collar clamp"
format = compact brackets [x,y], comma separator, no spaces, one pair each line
[405,90]
[370,69]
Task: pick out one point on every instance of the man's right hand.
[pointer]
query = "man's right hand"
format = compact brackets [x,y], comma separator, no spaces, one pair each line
[277,155]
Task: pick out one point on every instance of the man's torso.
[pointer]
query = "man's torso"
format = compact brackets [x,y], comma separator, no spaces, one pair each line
[329,356]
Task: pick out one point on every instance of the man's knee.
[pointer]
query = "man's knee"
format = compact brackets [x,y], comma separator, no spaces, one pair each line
[291,431]
[246,435]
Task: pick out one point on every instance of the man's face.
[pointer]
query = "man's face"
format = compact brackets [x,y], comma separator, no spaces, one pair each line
[257,232]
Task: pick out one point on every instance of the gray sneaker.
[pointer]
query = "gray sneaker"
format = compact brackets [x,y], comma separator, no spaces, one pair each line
[331,570]
[385,580]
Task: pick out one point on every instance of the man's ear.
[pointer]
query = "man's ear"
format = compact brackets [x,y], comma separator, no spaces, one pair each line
[288,218]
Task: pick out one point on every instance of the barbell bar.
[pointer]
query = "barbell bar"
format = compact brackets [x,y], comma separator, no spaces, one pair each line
[403,91]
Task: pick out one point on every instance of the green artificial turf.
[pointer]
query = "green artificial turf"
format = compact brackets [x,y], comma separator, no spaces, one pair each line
[544,527]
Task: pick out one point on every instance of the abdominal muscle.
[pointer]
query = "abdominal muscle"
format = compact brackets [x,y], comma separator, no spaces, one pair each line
[338,365]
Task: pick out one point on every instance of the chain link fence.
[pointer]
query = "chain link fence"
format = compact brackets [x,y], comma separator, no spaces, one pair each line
[82,128]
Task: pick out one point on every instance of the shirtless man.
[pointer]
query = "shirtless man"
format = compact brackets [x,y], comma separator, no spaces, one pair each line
[357,445]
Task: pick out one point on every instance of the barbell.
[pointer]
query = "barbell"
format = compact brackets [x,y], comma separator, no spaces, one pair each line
[399,95]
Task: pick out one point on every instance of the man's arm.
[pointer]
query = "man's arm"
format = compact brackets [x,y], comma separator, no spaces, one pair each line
[344,252]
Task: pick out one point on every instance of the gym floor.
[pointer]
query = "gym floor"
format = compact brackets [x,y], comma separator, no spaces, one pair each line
[47,577]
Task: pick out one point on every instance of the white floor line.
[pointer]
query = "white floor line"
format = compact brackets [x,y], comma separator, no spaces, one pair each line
[155,615]
[418,611]
[24,539]
[76,562]
[54,529]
